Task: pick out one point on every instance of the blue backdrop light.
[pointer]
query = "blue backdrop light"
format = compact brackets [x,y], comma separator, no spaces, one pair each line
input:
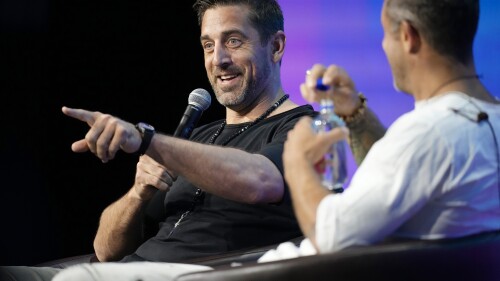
[349,34]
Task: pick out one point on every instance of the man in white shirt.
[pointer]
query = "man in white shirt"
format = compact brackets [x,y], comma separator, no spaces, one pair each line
[435,172]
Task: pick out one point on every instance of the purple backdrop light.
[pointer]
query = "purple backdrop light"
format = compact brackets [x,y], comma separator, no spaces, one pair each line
[349,34]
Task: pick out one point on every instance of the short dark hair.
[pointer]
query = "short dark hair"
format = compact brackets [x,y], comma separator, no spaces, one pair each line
[449,26]
[265,15]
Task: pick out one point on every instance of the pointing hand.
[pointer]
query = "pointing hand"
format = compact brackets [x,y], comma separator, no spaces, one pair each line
[107,134]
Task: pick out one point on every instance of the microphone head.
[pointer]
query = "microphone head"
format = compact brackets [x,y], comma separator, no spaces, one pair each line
[200,98]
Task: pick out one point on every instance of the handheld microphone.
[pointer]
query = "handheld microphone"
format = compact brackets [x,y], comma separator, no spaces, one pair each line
[199,100]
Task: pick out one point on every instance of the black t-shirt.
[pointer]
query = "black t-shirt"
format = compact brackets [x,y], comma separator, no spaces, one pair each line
[216,225]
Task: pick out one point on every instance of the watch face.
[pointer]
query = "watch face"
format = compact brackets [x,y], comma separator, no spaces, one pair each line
[145,126]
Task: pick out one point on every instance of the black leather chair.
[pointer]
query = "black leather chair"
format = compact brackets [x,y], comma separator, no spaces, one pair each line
[474,258]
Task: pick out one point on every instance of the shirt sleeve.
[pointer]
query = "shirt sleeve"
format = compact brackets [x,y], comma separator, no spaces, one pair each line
[274,149]
[397,177]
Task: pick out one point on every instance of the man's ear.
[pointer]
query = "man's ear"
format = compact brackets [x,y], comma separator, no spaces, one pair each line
[278,46]
[410,37]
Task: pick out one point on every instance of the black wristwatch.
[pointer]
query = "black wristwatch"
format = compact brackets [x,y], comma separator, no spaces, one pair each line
[147,131]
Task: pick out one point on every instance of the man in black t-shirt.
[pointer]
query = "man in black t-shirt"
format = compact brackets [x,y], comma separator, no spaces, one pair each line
[230,182]
[213,224]
[224,186]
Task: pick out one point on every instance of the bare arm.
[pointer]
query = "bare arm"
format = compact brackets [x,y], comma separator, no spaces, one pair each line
[364,132]
[227,172]
[120,229]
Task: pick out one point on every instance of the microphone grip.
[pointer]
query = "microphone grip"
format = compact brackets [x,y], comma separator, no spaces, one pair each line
[188,121]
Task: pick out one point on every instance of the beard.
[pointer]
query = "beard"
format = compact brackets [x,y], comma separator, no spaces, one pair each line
[234,97]
[245,94]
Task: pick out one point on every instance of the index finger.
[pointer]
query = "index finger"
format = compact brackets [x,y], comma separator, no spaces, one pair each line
[81,114]
[312,75]
[336,75]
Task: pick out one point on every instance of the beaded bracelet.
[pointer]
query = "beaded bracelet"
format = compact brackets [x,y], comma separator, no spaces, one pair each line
[358,114]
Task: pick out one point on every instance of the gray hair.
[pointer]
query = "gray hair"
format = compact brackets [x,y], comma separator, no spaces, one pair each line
[449,26]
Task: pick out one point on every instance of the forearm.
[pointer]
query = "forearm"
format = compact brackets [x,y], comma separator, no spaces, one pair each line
[227,172]
[120,228]
[363,133]
[307,192]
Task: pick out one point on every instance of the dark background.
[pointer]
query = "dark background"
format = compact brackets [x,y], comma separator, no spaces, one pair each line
[136,59]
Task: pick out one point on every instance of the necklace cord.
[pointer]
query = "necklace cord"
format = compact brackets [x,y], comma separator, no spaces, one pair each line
[261,117]
[483,116]
[463,77]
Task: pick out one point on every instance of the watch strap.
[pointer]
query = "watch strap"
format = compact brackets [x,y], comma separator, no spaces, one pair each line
[147,136]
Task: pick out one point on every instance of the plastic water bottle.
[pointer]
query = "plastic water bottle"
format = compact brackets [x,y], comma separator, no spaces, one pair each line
[333,167]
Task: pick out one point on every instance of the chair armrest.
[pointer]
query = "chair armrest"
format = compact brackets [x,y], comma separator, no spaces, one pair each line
[240,256]
[472,258]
